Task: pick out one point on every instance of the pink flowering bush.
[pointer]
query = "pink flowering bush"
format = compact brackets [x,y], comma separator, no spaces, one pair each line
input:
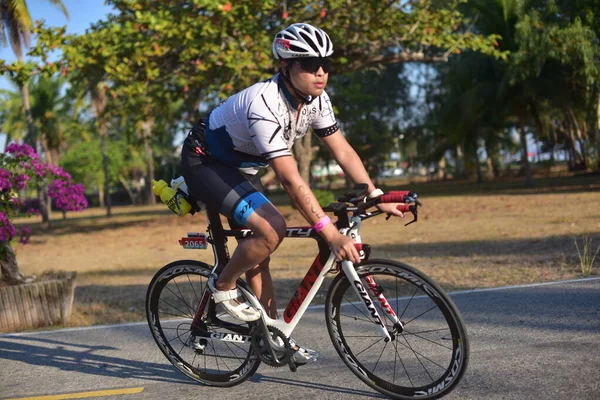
[20,166]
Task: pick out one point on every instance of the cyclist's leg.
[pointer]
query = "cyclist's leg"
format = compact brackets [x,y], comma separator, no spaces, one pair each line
[268,228]
[225,189]
[259,277]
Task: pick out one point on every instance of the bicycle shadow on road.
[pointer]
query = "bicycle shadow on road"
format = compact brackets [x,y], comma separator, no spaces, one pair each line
[330,389]
[82,358]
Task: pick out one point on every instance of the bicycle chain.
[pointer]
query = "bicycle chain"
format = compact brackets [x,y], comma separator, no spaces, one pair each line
[263,352]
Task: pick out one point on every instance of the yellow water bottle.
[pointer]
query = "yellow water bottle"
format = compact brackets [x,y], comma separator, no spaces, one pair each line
[169,196]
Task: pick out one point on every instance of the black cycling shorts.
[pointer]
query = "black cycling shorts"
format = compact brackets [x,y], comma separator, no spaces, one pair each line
[221,187]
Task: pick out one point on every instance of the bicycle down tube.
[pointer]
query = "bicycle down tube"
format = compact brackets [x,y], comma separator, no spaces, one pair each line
[309,286]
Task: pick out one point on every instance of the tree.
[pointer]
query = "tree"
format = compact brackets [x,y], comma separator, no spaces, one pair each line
[15,23]
[147,55]
[370,106]
[549,71]
[20,165]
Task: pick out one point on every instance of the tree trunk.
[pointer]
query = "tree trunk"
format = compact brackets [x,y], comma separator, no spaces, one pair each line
[132,195]
[303,152]
[45,203]
[147,134]
[460,162]
[99,103]
[27,108]
[43,190]
[478,167]
[8,264]
[524,147]
[101,195]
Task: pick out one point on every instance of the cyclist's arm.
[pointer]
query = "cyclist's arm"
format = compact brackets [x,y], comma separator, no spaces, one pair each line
[303,198]
[352,165]
[346,157]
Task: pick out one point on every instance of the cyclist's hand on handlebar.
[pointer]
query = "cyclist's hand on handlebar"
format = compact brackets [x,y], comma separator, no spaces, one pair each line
[391,208]
[343,247]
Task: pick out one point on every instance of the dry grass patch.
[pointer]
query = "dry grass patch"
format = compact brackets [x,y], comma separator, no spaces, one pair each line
[472,240]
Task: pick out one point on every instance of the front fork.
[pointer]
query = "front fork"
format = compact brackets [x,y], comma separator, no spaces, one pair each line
[377,292]
[361,291]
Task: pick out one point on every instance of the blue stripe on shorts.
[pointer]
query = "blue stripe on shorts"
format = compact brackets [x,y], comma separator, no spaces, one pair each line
[247,206]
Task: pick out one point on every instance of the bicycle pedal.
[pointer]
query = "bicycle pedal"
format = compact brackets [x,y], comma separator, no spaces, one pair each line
[292,365]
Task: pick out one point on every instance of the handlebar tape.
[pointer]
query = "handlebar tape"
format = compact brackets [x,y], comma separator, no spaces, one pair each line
[403,208]
[394,197]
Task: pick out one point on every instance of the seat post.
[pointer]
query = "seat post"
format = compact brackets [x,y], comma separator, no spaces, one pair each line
[218,239]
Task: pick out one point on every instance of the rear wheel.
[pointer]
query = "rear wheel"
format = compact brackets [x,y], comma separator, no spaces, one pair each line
[428,353]
[218,350]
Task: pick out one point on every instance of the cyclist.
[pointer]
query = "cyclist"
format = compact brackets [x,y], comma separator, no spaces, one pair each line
[256,128]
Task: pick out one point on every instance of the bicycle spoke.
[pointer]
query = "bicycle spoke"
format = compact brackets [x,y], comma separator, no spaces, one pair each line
[379,358]
[410,301]
[373,344]
[428,331]
[176,315]
[193,290]
[172,306]
[429,340]
[179,337]
[357,309]
[182,297]
[363,336]
[356,318]
[419,354]
[421,362]
[420,315]
[397,356]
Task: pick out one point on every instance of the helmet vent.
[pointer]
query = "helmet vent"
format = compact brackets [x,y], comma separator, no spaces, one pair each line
[309,41]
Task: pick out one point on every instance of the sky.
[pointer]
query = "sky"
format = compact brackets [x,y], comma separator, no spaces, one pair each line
[82,13]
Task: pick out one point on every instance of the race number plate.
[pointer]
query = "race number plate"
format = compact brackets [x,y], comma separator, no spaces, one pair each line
[194,240]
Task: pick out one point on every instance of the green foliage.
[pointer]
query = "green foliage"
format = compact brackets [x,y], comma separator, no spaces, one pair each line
[370,105]
[324,197]
[84,162]
[547,85]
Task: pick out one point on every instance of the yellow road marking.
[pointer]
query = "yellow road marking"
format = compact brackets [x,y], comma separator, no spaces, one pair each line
[84,395]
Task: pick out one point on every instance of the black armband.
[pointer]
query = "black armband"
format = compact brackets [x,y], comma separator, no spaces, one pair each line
[326,131]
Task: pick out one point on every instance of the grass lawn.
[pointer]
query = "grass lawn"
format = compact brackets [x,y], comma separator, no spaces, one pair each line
[468,236]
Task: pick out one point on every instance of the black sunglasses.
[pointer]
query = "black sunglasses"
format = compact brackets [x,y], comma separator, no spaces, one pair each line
[312,64]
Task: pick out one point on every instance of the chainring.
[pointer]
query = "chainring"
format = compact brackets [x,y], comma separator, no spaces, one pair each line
[282,358]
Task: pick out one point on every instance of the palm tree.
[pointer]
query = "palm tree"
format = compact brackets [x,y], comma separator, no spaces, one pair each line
[15,23]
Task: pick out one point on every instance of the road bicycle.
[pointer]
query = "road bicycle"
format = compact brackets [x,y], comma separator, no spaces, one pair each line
[393,327]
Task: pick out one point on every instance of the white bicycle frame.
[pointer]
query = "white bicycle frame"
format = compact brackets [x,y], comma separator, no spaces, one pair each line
[348,269]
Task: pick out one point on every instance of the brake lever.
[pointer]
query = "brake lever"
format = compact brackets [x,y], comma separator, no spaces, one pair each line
[414,211]
[413,208]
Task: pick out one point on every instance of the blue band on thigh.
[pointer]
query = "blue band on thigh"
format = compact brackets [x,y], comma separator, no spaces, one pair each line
[247,206]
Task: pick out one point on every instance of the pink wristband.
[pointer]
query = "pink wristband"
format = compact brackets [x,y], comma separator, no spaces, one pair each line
[321,223]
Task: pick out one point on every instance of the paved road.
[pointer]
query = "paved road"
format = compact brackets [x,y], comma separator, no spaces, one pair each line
[537,342]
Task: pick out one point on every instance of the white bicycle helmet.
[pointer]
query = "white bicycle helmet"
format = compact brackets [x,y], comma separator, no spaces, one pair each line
[302,40]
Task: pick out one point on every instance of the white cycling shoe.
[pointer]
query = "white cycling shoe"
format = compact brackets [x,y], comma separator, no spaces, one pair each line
[233,301]
[303,355]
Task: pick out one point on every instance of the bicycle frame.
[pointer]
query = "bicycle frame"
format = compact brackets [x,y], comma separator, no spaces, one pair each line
[324,263]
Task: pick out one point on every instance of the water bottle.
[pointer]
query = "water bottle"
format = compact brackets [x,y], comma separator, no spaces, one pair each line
[176,203]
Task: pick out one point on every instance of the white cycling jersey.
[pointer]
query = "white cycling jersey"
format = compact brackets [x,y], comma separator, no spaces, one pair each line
[262,122]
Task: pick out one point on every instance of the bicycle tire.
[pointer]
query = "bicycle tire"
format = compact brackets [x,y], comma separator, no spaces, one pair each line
[426,359]
[172,299]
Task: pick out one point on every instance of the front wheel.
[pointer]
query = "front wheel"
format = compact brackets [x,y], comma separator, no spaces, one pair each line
[428,353]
